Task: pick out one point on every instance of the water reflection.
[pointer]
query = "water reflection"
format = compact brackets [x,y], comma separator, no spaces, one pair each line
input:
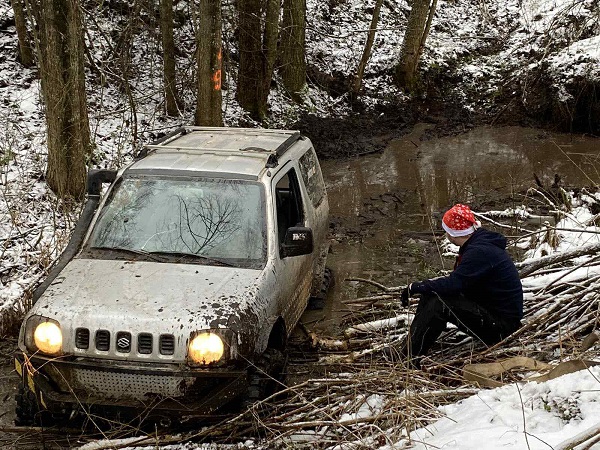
[383,198]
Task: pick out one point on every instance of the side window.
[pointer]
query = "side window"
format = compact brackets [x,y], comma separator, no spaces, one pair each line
[288,201]
[313,179]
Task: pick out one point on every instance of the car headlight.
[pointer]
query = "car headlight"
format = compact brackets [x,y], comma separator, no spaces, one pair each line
[206,348]
[43,335]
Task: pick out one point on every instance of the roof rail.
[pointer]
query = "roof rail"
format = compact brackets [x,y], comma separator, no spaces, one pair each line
[163,142]
[288,143]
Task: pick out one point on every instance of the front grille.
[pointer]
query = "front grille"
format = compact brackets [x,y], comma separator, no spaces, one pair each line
[123,342]
[103,340]
[82,338]
[144,343]
[166,344]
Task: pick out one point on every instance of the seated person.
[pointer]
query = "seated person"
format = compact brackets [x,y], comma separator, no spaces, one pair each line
[482,296]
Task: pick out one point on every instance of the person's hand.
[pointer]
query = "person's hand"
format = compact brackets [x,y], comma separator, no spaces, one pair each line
[404,296]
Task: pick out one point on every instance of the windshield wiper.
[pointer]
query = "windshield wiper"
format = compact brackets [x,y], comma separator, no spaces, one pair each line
[132,251]
[194,256]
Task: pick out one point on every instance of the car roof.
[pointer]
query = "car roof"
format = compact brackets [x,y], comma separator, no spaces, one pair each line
[244,152]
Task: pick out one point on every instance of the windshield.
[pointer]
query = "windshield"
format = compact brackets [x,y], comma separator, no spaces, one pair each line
[213,219]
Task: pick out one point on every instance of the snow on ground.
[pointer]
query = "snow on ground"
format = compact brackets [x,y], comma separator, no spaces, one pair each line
[518,416]
[576,229]
[534,416]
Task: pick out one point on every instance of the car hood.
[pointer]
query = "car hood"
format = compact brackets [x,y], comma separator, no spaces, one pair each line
[97,293]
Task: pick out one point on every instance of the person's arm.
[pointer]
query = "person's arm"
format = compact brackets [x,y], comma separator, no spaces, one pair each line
[474,265]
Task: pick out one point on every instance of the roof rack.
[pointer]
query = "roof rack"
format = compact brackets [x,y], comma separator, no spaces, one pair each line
[163,143]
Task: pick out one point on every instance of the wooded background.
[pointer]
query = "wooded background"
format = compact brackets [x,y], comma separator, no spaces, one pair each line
[266,47]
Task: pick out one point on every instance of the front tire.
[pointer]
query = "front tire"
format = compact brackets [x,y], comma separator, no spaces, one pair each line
[27,409]
[265,377]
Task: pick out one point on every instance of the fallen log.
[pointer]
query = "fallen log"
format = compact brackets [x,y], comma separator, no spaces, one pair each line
[527,267]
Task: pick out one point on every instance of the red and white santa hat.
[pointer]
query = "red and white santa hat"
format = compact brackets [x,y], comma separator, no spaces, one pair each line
[460,221]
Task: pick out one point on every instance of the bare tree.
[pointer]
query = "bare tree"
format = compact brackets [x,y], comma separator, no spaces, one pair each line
[258,53]
[367,50]
[292,54]
[25,51]
[61,62]
[168,43]
[210,60]
[417,30]
[270,38]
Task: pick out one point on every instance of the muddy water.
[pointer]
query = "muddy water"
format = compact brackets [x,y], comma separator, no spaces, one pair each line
[385,206]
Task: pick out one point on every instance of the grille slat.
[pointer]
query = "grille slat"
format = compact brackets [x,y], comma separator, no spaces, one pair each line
[145,343]
[103,340]
[166,344]
[82,338]
[124,342]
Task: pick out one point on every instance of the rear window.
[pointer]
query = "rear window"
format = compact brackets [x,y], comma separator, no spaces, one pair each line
[313,179]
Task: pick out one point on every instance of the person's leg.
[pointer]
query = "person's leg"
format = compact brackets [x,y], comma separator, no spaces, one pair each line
[428,323]
[433,312]
[475,320]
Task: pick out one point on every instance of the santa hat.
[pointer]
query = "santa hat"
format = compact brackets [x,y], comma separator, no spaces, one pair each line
[460,221]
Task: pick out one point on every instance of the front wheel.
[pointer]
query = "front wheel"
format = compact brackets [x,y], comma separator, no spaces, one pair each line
[266,376]
[27,411]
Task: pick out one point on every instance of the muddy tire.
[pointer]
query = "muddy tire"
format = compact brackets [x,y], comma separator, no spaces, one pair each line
[318,301]
[27,409]
[264,379]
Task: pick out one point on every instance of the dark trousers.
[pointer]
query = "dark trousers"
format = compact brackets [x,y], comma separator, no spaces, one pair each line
[433,312]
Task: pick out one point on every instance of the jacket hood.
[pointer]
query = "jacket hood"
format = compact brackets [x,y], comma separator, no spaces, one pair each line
[486,237]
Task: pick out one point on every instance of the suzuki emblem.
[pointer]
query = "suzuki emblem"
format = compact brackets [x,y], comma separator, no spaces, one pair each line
[123,342]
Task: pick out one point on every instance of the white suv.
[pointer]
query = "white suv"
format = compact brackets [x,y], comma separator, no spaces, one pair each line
[183,281]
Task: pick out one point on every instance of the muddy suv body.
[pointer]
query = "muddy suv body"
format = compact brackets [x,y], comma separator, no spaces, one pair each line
[183,280]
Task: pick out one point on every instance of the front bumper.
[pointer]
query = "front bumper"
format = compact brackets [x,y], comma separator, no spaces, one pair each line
[63,385]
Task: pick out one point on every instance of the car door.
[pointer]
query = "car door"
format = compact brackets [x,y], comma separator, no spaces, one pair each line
[294,274]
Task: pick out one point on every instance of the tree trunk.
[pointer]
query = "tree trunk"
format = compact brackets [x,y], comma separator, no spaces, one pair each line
[61,60]
[427,28]
[270,39]
[415,36]
[251,70]
[209,99]
[169,74]
[367,51]
[292,57]
[25,51]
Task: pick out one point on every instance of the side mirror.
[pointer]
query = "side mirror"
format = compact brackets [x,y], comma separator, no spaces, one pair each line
[298,241]
[96,178]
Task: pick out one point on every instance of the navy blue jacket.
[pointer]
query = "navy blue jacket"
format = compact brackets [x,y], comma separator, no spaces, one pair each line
[484,273]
